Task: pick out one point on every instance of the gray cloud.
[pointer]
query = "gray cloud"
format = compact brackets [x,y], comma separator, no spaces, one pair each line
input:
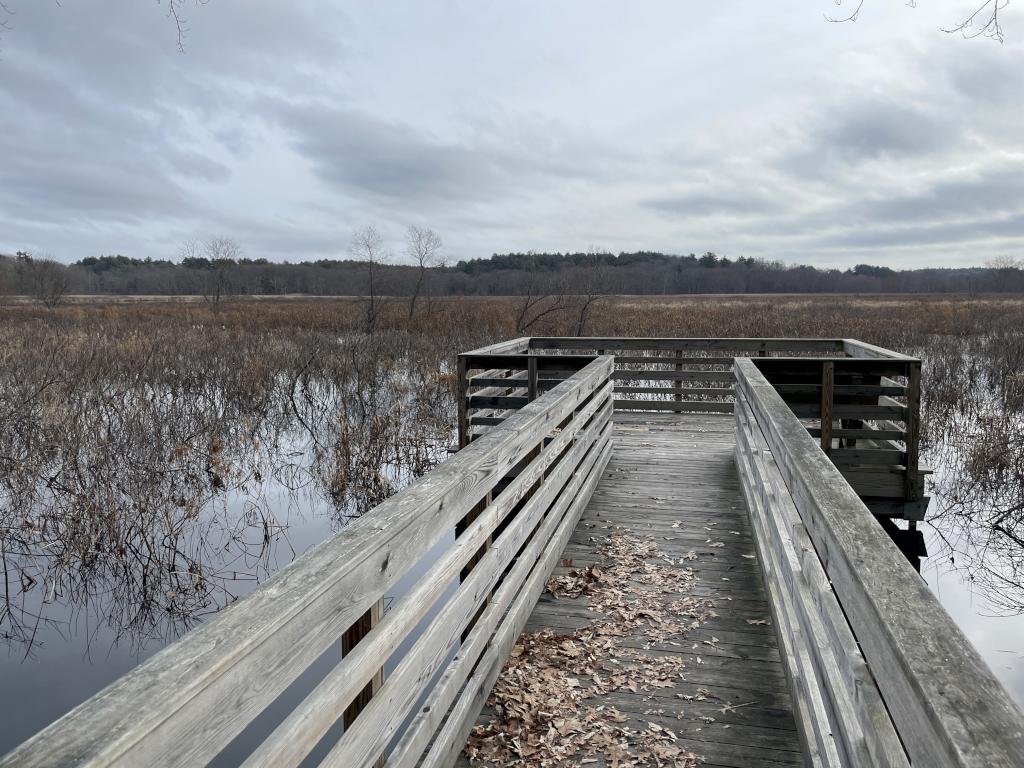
[287,126]
[360,153]
[716,200]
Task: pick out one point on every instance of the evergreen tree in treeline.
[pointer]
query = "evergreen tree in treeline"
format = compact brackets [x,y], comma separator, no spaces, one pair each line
[627,272]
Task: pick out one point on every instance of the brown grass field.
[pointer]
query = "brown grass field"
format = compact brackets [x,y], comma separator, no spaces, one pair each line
[124,421]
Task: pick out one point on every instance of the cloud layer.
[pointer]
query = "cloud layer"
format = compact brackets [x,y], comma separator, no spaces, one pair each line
[759,132]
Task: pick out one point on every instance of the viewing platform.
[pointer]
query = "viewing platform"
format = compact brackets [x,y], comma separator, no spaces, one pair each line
[665,552]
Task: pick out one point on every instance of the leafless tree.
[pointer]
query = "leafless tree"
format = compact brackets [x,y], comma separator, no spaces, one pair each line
[544,296]
[223,253]
[368,247]
[42,278]
[596,284]
[424,246]
[1005,262]
[218,256]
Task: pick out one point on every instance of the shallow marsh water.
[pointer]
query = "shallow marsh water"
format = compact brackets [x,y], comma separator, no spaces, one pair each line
[975,526]
[248,501]
[73,643]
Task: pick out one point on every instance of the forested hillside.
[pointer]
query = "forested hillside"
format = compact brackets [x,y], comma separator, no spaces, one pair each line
[641,272]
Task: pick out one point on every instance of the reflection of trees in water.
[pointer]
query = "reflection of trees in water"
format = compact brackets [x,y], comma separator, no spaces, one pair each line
[974,429]
[134,482]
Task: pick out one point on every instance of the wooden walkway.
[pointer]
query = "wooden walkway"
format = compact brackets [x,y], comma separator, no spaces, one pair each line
[672,479]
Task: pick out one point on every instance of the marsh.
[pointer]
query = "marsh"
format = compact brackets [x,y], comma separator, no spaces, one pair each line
[159,460]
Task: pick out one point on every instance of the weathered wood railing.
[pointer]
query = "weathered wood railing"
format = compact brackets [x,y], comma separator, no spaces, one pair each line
[486,528]
[861,401]
[881,675]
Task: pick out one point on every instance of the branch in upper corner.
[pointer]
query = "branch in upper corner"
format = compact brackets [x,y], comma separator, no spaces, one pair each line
[970,27]
[5,11]
[174,12]
[989,13]
[851,17]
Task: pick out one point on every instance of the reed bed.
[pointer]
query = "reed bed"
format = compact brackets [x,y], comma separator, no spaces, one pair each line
[124,426]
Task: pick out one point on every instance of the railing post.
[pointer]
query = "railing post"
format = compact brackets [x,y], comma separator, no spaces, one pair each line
[827,390]
[349,640]
[913,429]
[678,383]
[531,378]
[462,390]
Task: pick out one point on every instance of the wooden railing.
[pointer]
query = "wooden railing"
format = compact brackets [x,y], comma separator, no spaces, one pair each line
[860,401]
[485,529]
[676,374]
[866,416]
[881,676]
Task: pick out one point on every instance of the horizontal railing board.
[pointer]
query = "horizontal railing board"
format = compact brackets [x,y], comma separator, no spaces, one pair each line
[497,401]
[631,375]
[847,411]
[855,348]
[709,391]
[609,343]
[519,381]
[668,360]
[570,363]
[450,739]
[866,433]
[702,406]
[867,456]
[877,483]
[819,723]
[486,421]
[794,366]
[490,380]
[303,728]
[512,346]
[361,744]
[507,611]
[182,706]
[948,708]
[858,718]
[840,390]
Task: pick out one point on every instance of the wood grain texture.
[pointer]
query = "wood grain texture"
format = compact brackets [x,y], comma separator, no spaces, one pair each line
[947,707]
[181,707]
[849,724]
[686,463]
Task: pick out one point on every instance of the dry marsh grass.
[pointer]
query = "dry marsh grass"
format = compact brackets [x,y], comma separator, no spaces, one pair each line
[124,425]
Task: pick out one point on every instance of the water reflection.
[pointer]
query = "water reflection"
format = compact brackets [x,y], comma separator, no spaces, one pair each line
[974,440]
[128,514]
[977,512]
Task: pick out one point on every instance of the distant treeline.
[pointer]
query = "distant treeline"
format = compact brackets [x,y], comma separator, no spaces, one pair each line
[640,272]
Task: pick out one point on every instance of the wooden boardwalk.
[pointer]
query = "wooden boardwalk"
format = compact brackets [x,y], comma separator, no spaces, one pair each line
[672,478]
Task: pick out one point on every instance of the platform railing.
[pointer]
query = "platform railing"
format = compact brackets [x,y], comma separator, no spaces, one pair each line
[880,674]
[860,401]
[483,530]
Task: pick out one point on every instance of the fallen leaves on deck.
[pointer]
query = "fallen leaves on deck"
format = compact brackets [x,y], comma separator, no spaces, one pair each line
[544,700]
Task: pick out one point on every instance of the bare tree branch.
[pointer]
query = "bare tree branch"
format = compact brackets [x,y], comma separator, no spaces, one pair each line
[175,10]
[971,27]
[423,245]
[851,17]
[368,247]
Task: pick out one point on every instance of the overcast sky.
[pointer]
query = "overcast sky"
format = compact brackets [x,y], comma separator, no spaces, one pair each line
[754,129]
